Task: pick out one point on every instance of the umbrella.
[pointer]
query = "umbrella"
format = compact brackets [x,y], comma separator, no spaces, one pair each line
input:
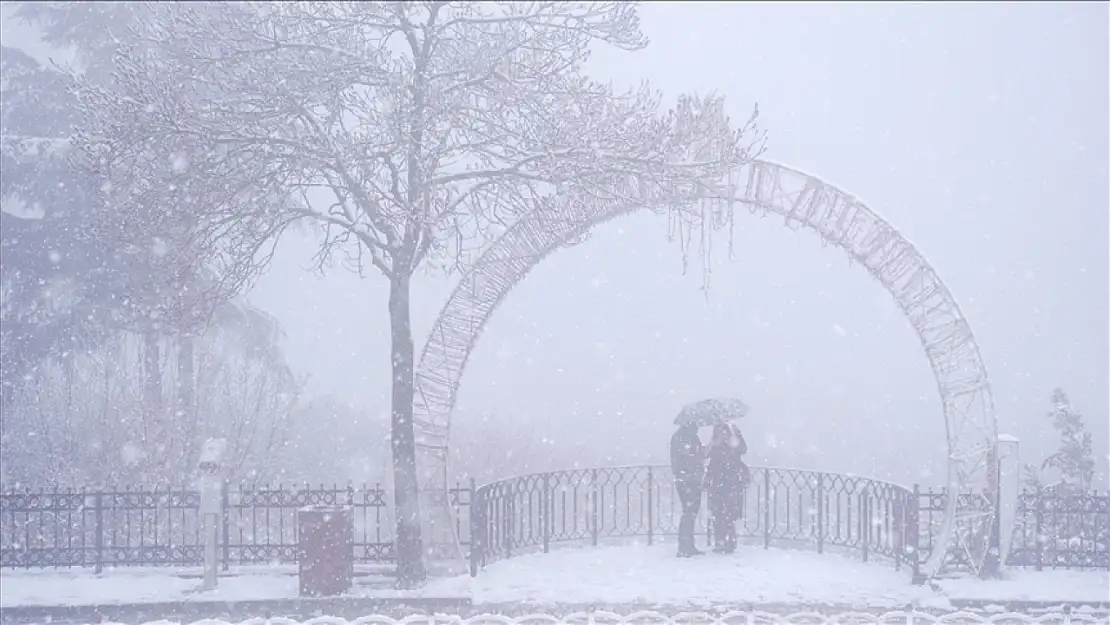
[711,412]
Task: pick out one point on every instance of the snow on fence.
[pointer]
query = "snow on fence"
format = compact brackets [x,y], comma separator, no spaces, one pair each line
[1062,531]
[690,618]
[162,526]
[1051,529]
[822,511]
[782,507]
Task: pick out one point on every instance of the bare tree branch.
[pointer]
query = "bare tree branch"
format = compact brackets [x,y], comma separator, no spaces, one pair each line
[408,131]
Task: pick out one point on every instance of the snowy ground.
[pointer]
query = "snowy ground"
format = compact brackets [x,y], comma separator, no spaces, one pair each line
[81,587]
[626,575]
[163,585]
[652,576]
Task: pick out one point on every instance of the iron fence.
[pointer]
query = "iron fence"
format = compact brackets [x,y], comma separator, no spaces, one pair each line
[973,517]
[163,527]
[1058,530]
[1051,529]
[780,506]
[823,511]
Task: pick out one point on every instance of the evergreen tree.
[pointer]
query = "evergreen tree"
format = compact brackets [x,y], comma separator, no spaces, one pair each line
[1074,460]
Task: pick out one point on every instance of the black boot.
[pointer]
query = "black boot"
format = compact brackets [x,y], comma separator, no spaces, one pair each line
[689,552]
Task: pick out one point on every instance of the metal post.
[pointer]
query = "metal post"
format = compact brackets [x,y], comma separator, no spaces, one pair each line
[766,508]
[865,519]
[545,521]
[899,528]
[820,513]
[510,518]
[593,506]
[650,507]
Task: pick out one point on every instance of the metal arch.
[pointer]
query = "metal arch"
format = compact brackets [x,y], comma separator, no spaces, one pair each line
[803,201]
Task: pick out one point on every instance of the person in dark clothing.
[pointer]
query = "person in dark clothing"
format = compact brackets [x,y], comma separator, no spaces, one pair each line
[688,466]
[725,484]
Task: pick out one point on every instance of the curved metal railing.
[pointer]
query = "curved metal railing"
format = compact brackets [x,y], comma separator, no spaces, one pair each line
[787,507]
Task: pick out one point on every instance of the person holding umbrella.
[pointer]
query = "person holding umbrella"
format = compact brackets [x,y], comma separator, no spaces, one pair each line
[688,466]
[688,461]
[725,482]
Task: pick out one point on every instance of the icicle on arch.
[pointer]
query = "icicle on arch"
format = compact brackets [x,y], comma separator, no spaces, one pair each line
[802,201]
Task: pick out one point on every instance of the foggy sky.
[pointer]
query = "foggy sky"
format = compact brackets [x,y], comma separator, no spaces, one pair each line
[980,131]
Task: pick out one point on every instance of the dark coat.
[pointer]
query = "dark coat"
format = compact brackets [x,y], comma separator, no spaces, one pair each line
[687,457]
[741,444]
[725,481]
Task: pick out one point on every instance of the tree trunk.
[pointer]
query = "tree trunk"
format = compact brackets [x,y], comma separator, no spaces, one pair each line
[185,416]
[152,390]
[410,551]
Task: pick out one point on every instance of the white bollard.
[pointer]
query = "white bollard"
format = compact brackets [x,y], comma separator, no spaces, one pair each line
[211,489]
[1009,489]
[211,502]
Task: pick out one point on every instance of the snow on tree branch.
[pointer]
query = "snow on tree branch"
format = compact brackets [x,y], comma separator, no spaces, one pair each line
[403,128]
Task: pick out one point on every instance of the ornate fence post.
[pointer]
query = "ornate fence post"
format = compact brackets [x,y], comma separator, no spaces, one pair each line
[766,508]
[510,518]
[820,513]
[98,538]
[593,506]
[899,501]
[545,513]
[865,519]
[650,507]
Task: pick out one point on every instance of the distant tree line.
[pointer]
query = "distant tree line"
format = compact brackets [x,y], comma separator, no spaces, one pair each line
[118,358]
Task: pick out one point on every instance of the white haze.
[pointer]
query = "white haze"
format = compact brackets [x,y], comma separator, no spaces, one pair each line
[979,130]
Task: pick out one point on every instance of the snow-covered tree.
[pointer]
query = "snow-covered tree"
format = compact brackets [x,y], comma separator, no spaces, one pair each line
[408,131]
[66,296]
[1061,484]
[1073,461]
[81,422]
[46,311]
[63,289]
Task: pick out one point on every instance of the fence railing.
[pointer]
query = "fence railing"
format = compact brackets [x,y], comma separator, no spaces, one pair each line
[780,506]
[823,511]
[160,527]
[1051,529]
[1058,530]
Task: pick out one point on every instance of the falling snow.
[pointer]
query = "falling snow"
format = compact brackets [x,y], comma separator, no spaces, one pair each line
[299,230]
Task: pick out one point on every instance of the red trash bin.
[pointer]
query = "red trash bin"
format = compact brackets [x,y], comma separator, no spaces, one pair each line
[326,566]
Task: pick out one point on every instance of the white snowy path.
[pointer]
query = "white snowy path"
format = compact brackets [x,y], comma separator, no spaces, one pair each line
[653,576]
[627,575]
[120,586]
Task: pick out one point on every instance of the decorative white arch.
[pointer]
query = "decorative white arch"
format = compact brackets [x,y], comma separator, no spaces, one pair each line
[803,201]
